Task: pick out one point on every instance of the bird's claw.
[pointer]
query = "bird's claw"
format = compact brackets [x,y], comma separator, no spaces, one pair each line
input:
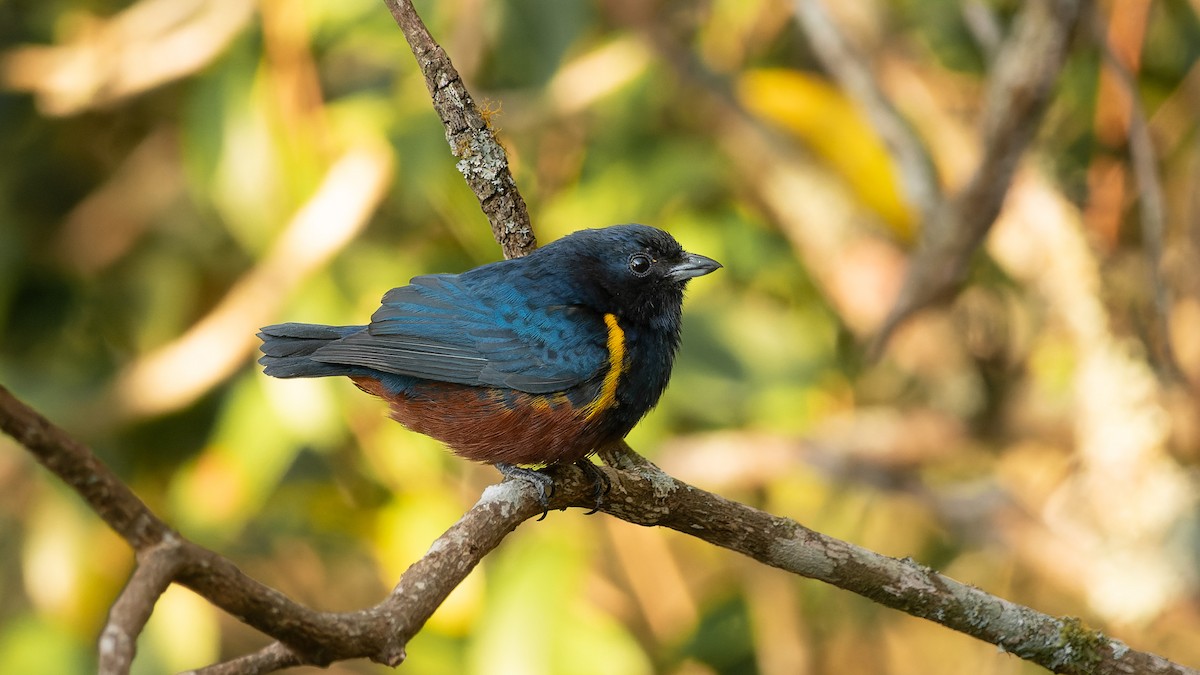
[543,483]
[601,483]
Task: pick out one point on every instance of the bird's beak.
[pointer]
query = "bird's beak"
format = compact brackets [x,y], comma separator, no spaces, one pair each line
[692,265]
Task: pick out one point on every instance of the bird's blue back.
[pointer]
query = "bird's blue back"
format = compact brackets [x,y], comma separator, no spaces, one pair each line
[512,324]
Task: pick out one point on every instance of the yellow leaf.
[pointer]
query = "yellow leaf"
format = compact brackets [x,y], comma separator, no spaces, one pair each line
[818,115]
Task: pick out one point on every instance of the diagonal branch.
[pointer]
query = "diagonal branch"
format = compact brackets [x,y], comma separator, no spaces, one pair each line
[311,637]
[482,160]
[644,495]
[77,466]
[380,633]
[1019,91]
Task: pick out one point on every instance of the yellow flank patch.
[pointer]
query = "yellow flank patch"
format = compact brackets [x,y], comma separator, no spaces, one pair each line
[607,397]
[548,402]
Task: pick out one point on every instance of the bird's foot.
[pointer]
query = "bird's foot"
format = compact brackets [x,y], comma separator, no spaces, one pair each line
[601,484]
[543,483]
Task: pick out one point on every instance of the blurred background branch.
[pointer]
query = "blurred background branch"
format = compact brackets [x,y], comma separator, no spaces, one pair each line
[183,370]
[1020,86]
[107,60]
[1144,165]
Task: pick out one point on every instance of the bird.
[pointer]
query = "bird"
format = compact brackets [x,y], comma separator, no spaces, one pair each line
[534,361]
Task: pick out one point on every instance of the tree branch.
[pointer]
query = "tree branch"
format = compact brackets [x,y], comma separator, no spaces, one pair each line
[644,495]
[482,160]
[80,469]
[273,657]
[156,569]
[1151,202]
[641,494]
[380,633]
[311,637]
[1019,91]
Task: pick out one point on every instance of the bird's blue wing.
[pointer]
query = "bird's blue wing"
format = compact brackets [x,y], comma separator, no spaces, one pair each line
[440,327]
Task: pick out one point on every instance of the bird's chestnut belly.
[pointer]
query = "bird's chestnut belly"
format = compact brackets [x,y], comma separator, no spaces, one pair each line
[496,425]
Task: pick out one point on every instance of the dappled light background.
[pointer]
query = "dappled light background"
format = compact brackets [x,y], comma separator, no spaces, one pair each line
[178,173]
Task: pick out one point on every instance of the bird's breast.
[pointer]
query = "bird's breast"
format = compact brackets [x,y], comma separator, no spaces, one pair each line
[639,367]
[492,425]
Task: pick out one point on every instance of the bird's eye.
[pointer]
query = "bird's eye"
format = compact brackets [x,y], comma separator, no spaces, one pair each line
[639,264]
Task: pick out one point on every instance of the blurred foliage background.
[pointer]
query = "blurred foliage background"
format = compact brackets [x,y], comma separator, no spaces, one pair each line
[179,172]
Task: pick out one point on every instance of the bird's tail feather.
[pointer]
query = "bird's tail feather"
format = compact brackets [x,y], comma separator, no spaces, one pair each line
[287,348]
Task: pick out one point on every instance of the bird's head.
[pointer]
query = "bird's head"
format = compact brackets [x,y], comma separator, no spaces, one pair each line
[634,271]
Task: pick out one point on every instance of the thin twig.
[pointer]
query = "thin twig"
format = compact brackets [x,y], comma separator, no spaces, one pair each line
[273,657]
[1151,204]
[482,160]
[168,378]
